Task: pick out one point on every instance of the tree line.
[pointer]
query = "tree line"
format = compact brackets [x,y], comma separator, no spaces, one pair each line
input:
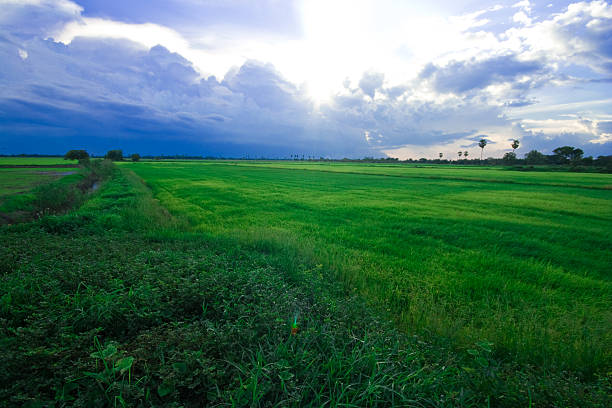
[569,156]
[83,157]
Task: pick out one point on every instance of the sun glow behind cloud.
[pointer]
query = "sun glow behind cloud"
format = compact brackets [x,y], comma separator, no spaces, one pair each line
[341,40]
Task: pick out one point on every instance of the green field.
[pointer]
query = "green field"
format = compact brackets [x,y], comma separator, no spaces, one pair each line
[177,284]
[450,172]
[471,259]
[19,180]
[34,161]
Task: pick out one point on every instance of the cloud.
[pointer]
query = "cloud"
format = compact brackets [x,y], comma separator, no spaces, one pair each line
[118,91]
[519,103]
[370,82]
[592,135]
[70,73]
[522,18]
[146,34]
[477,140]
[604,127]
[26,18]
[524,4]
[464,76]
[581,34]
[265,86]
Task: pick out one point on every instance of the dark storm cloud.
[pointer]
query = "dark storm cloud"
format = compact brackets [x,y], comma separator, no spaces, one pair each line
[121,91]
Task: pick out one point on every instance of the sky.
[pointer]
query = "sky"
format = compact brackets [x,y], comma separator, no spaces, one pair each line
[321,78]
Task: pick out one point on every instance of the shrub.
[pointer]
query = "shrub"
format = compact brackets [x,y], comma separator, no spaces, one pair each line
[55,198]
[114,155]
[81,155]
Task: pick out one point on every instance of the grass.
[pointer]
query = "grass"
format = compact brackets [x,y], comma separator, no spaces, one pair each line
[20,180]
[492,174]
[122,303]
[34,161]
[469,260]
[35,193]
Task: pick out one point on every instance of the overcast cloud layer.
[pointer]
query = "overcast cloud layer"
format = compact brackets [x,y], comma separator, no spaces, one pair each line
[319,78]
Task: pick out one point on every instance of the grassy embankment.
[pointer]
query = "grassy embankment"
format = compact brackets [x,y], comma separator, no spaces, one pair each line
[119,303]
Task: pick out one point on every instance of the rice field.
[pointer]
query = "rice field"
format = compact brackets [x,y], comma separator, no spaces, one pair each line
[518,259]
[34,161]
[236,283]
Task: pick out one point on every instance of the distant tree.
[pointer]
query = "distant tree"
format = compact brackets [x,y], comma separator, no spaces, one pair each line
[135,157]
[568,154]
[440,154]
[515,144]
[81,155]
[588,161]
[509,157]
[605,162]
[465,154]
[114,155]
[482,144]
[576,155]
[535,157]
[459,154]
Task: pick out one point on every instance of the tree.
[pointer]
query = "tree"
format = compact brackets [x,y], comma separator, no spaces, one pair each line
[605,162]
[482,144]
[440,154]
[568,154]
[509,157]
[81,155]
[459,154]
[135,157]
[576,155]
[515,144]
[465,154]
[535,157]
[114,155]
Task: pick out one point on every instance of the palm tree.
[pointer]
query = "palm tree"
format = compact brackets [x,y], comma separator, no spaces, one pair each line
[465,154]
[515,145]
[440,155]
[459,154]
[482,144]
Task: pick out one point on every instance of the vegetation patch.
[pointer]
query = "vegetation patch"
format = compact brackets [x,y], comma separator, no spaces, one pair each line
[55,196]
[463,259]
[128,307]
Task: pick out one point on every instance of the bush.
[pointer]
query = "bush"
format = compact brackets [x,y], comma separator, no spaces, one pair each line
[81,155]
[114,155]
[509,157]
[59,197]
[55,198]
